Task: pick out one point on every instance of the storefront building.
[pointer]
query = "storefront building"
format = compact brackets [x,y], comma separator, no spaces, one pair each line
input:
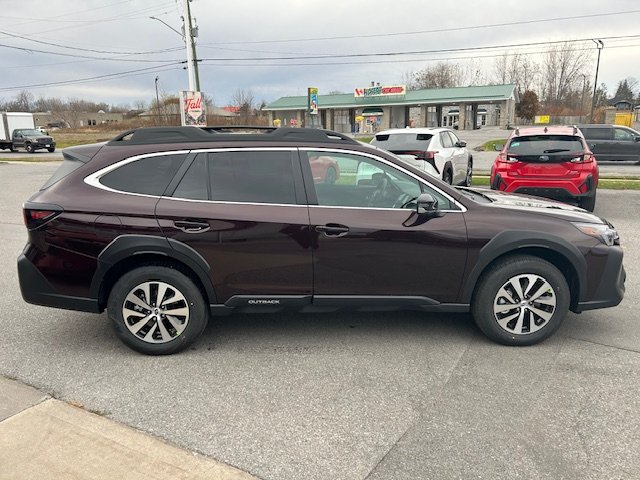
[379,107]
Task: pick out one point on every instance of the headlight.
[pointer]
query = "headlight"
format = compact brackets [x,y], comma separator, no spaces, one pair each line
[605,233]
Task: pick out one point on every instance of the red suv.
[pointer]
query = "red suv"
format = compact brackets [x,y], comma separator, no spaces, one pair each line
[553,162]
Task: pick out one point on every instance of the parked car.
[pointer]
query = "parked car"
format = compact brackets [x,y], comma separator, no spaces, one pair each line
[439,147]
[164,227]
[612,142]
[553,162]
[31,140]
[324,169]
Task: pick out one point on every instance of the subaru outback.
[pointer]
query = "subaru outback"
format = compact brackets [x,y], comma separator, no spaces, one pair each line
[165,227]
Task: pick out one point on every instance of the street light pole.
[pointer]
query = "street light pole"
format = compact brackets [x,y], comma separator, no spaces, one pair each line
[187,35]
[192,33]
[600,45]
[157,100]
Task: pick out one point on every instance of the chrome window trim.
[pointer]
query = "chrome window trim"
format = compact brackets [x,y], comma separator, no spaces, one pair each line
[462,208]
[94,178]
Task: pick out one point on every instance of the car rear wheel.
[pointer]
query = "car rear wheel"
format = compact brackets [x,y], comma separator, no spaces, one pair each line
[469,177]
[157,310]
[447,176]
[331,176]
[588,203]
[521,300]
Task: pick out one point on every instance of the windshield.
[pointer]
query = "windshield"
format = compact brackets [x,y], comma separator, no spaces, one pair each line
[30,132]
[538,144]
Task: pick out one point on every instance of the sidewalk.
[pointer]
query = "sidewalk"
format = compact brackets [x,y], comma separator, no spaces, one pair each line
[44,438]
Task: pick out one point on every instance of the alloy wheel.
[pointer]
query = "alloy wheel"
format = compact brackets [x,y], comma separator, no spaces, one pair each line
[524,304]
[155,312]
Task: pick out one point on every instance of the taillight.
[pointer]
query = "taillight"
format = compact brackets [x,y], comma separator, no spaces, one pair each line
[503,157]
[430,155]
[586,158]
[36,217]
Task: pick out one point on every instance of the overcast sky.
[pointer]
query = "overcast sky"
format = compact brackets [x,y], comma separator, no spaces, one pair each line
[105,37]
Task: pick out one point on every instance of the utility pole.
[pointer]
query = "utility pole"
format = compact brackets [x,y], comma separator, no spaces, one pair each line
[600,45]
[192,61]
[157,101]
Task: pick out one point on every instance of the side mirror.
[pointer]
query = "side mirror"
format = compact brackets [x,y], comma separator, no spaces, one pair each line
[498,146]
[638,139]
[461,144]
[425,203]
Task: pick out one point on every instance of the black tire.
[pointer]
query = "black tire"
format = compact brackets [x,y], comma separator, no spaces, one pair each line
[469,177]
[447,176]
[588,203]
[182,293]
[29,148]
[12,148]
[331,176]
[501,275]
[51,149]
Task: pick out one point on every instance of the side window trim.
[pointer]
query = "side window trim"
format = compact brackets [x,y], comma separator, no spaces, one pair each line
[307,177]
[94,178]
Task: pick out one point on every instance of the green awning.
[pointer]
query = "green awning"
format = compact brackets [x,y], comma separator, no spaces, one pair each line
[372,112]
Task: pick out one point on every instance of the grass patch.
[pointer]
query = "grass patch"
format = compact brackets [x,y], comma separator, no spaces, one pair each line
[490,146]
[480,181]
[364,139]
[32,159]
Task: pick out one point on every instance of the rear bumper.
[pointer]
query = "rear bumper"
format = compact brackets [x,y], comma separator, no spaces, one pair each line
[557,189]
[610,290]
[37,290]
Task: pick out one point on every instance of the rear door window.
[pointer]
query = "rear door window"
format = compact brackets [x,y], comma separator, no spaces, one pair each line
[595,133]
[241,176]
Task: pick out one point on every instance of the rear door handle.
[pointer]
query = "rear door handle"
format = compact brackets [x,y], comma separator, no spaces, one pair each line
[333,229]
[192,226]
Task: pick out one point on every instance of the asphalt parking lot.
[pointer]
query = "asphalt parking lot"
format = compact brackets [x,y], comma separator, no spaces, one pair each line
[351,395]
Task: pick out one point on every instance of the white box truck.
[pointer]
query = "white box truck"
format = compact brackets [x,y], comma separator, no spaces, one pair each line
[17,129]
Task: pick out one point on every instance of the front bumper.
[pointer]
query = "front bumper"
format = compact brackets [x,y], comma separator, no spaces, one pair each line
[37,290]
[610,290]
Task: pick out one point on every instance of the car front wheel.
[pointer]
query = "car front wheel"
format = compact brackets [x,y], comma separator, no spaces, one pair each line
[157,310]
[521,300]
[29,148]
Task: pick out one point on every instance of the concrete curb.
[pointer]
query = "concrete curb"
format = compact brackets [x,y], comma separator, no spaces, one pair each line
[45,438]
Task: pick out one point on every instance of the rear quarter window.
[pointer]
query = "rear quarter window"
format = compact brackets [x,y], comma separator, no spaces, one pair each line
[148,176]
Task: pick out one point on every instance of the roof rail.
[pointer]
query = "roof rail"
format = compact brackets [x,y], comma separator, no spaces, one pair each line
[227,133]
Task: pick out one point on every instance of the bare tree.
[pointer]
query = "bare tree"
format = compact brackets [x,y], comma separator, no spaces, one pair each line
[440,75]
[562,67]
[245,103]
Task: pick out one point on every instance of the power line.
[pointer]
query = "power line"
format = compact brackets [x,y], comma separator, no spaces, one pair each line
[417,52]
[90,79]
[438,30]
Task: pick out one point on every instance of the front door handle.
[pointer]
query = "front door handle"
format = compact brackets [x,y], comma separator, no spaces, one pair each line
[192,226]
[333,229]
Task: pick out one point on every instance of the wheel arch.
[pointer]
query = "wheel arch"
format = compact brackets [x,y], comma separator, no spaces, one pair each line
[128,252]
[565,256]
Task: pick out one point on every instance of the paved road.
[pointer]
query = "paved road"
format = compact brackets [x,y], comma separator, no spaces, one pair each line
[352,396]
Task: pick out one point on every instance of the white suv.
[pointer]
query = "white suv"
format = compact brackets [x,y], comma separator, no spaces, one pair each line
[438,147]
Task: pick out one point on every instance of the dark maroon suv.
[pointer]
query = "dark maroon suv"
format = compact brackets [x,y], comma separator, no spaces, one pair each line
[163,227]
